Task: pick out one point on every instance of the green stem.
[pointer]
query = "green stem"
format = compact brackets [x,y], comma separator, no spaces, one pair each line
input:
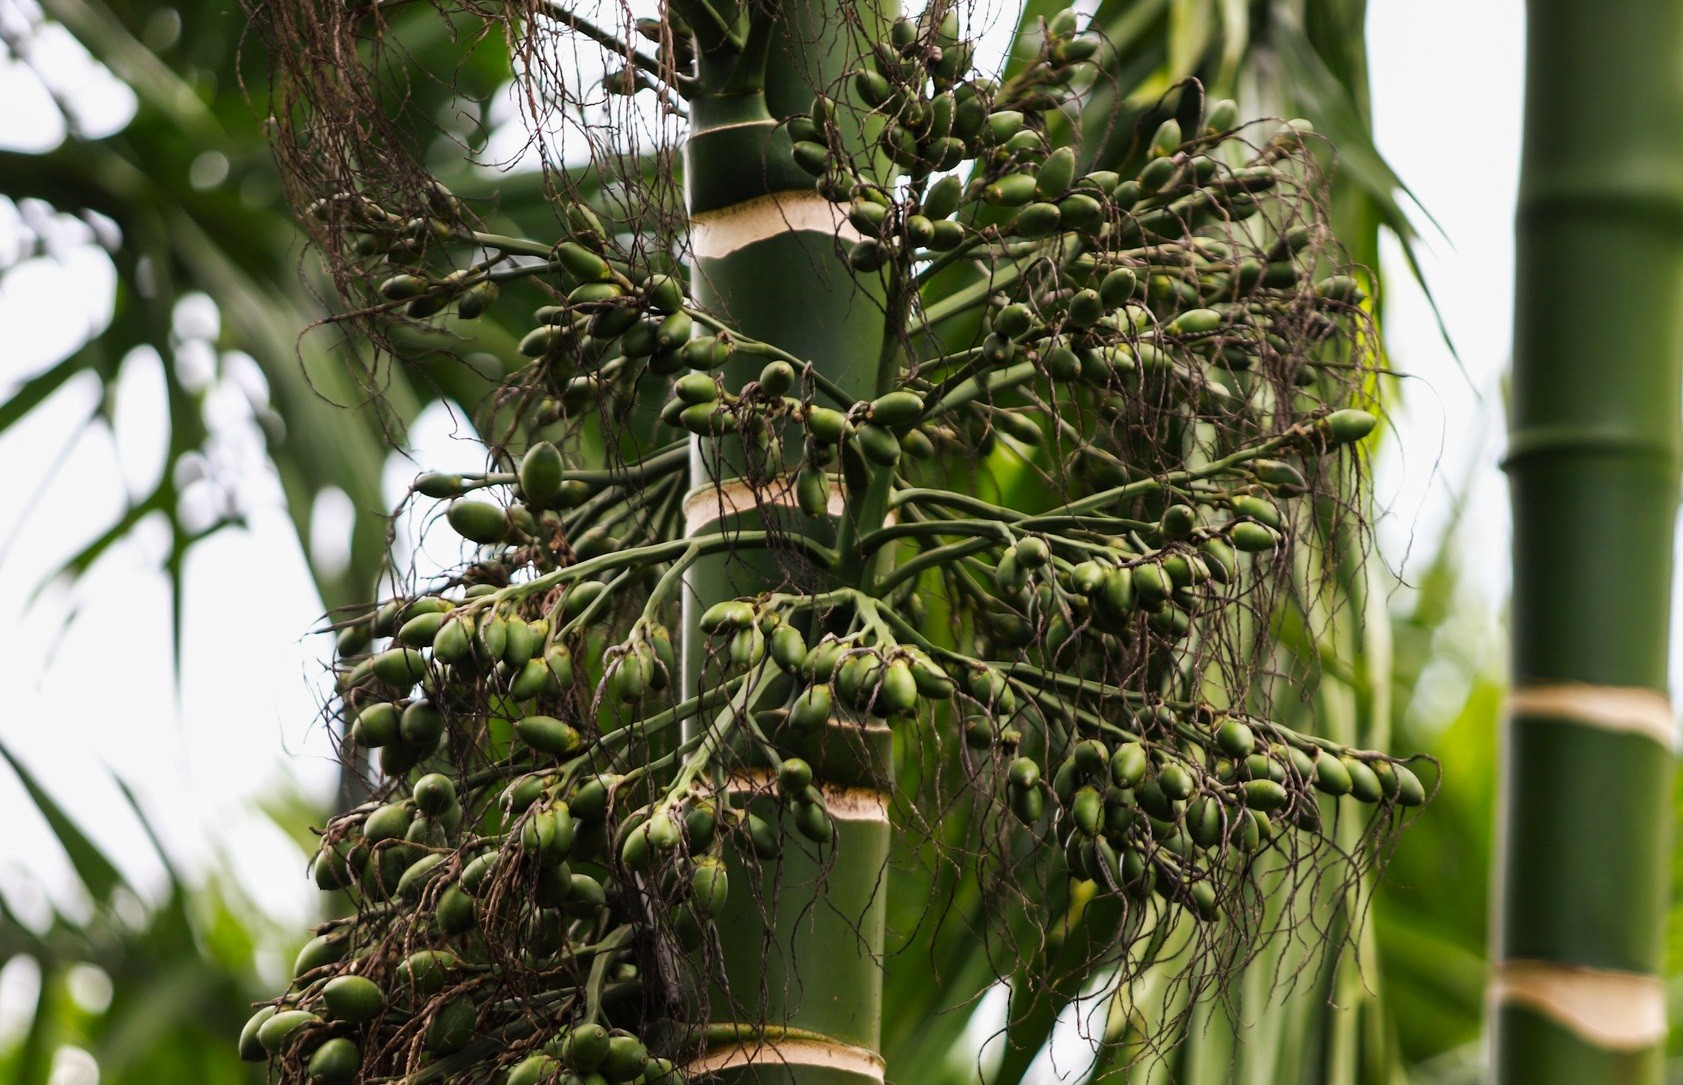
[1593,463]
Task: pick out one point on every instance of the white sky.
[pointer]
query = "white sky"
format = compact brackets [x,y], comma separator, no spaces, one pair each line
[94,698]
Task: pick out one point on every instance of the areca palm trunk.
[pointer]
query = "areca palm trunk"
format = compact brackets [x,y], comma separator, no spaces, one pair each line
[1593,464]
[802,996]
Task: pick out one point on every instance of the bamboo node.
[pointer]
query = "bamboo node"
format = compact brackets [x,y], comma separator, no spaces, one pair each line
[1631,709]
[717,234]
[705,506]
[1620,1011]
[842,803]
[804,1050]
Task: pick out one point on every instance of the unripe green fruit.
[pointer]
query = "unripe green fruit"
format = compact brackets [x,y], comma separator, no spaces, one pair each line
[353,640]
[634,846]
[428,970]
[812,492]
[1087,810]
[421,725]
[1220,559]
[747,648]
[728,616]
[1264,795]
[1118,590]
[548,735]
[1156,175]
[580,596]
[709,886]
[879,444]
[811,709]
[1253,538]
[1118,286]
[541,473]
[1090,756]
[1027,804]
[1259,509]
[532,679]
[665,293]
[787,647]
[1340,288]
[777,378]
[1364,783]
[1348,425]
[942,198]
[1281,475]
[476,871]
[1080,212]
[1037,220]
[388,822]
[586,1047]
[1175,781]
[813,822]
[898,691]
[628,678]
[1223,115]
[250,1049]
[478,521]
[1410,791]
[932,682]
[1178,521]
[1012,190]
[590,801]
[763,838]
[582,264]
[376,725]
[1204,822]
[454,640]
[1196,322]
[826,426]
[1235,739]
[275,1033]
[794,776]
[1152,583]
[1056,174]
[402,287]
[705,419]
[534,1070]
[896,410]
[451,1028]
[1128,765]
[399,668]
[625,1059]
[355,1000]
[1032,552]
[454,914]
[413,882]
[1202,897]
[434,793]
[330,870]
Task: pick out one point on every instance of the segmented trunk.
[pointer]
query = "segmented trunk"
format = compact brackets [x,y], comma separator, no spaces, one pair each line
[802,947]
[1593,462]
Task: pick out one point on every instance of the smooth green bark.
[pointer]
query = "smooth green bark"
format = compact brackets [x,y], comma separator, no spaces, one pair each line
[1593,463]
[801,947]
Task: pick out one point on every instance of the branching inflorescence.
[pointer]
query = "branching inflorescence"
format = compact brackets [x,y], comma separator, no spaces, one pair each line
[1046,543]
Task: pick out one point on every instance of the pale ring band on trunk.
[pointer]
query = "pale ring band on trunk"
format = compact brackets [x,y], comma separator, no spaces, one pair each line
[792,1051]
[716,234]
[1620,1011]
[1612,708]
